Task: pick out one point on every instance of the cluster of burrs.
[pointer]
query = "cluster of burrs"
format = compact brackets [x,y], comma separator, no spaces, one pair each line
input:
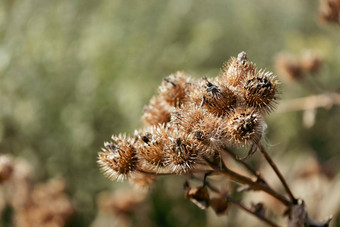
[190,120]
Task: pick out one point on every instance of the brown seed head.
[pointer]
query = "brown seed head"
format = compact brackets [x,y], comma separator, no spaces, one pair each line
[182,153]
[259,91]
[288,67]
[158,112]
[188,117]
[211,132]
[118,159]
[47,205]
[174,89]
[217,98]
[329,11]
[203,126]
[236,70]
[151,144]
[310,62]
[6,167]
[245,126]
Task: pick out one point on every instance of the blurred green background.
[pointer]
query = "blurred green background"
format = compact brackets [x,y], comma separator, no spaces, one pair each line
[72,73]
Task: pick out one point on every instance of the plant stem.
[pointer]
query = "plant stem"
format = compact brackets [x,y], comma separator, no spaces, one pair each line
[238,204]
[262,218]
[255,185]
[326,100]
[277,171]
[248,167]
[172,173]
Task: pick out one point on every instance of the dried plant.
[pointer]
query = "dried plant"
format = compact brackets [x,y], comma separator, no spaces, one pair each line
[32,204]
[291,68]
[209,119]
[116,207]
[329,11]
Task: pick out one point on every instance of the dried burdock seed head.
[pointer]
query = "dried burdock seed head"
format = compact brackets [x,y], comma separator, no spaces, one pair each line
[182,154]
[188,117]
[236,70]
[216,98]
[6,167]
[207,130]
[219,205]
[118,159]
[198,195]
[259,91]
[246,126]
[151,145]
[47,205]
[310,62]
[329,11]
[175,88]
[211,131]
[157,112]
[293,69]
[288,67]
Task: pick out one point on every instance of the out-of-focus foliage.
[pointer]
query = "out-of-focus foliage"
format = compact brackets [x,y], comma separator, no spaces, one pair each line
[74,72]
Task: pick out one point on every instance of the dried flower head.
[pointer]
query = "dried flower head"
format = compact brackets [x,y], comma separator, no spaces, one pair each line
[48,205]
[6,168]
[215,97]
[259,91]
[310,62]
[204,127]
[157,112]
[151,144]
[174,89]
[182,154]
[294,69]
[288,67]
[246,126]
[212,131]
[198,195]
[236,70]
[118,159]
[188,117]
[189,121]
[329,11]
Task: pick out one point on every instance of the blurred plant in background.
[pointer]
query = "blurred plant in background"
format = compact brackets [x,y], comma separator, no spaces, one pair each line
[74,72]
[31,204]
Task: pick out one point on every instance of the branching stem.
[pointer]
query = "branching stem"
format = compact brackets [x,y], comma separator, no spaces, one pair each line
[242,162]
[262,218]
[240,205]
[255,185]
[277,171]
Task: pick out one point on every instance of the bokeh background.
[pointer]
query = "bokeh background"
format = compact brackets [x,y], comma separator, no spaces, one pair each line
[72,73]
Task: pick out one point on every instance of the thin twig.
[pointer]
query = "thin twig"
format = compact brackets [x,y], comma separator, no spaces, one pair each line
[262,218]
[172,173]
[326,100]
[255,185]
[238,204]
[242,162]
[277,171]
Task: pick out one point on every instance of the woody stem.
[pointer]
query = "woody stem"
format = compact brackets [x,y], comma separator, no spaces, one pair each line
[277,171]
